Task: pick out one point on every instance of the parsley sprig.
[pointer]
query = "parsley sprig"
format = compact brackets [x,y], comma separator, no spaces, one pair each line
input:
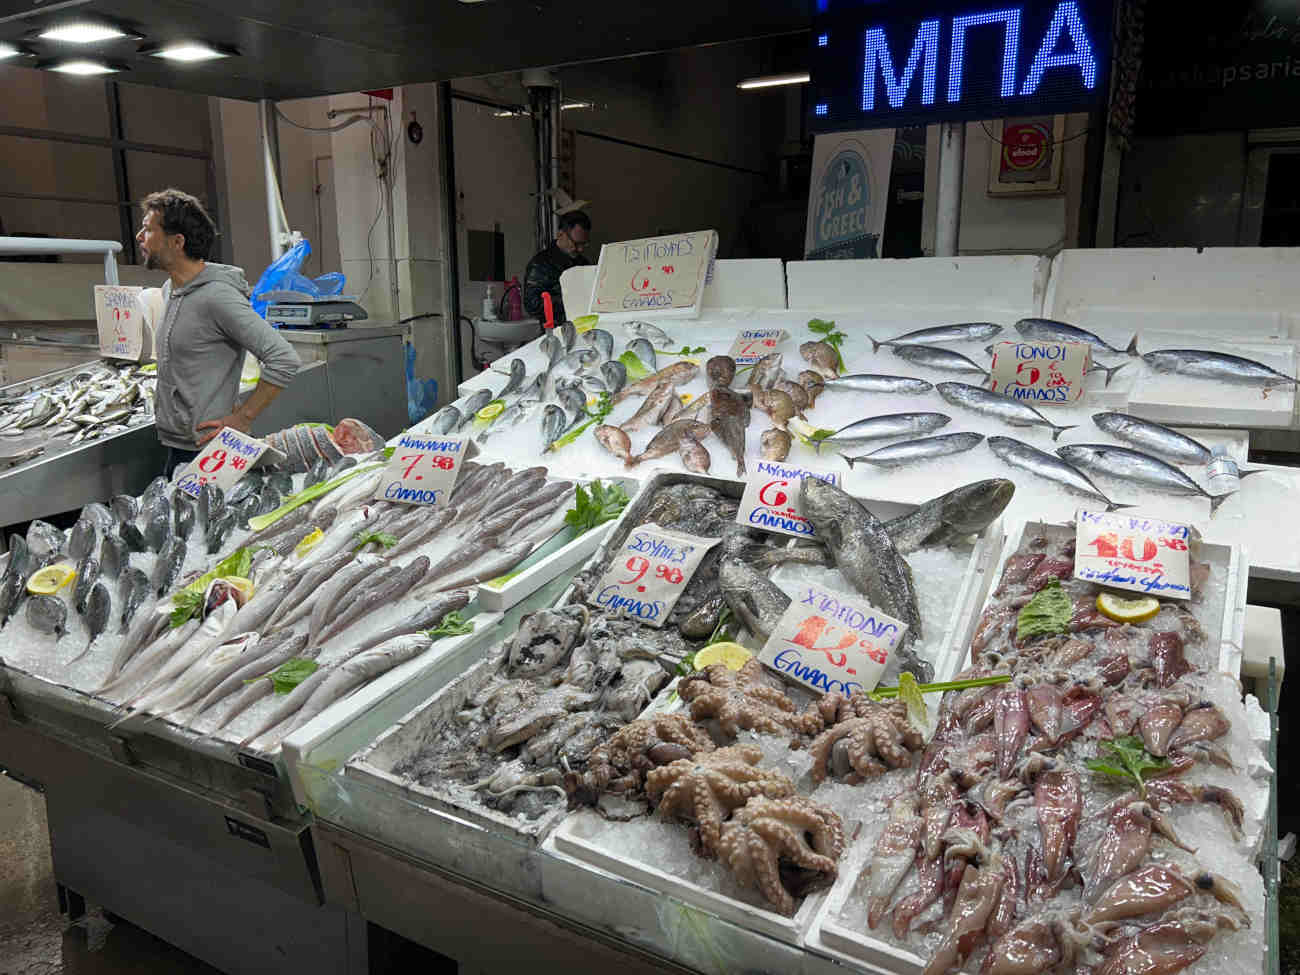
[831,336]
[1133,758]
[289,674]
[595,506]
[453,624]
[364,538]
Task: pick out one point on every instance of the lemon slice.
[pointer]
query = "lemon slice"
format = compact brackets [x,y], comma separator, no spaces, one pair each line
[731,655]
[685,398]
[245,586]
[308,542]
[909,692]
[491,411]
[1127,610]
[585,323]
[52,578]
[805,431]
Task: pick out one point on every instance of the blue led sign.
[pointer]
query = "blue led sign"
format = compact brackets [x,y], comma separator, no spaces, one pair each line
[886,65]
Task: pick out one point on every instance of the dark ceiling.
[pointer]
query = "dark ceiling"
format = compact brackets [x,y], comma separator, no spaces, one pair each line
[294,49]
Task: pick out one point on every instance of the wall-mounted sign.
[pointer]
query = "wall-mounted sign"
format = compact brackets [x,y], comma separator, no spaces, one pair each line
[847,195]
[1026,155]
[885,65]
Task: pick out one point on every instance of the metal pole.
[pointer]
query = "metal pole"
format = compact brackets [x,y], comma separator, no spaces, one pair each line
[450,250]
[269,139]
[952,151]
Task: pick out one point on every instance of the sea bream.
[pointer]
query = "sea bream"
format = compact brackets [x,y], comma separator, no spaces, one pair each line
[1051,330]
[961,332]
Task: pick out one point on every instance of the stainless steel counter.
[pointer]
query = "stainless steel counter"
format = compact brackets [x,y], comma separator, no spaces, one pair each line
[367,372]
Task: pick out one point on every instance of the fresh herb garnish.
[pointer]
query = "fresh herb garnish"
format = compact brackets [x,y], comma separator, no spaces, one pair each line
[289,674]
[598,411]
[1046,614]
[259,522]
[596,506]
[1133,756]
[636,369]
[185,606]
[364,538]
[452,625]
[722,633]
[831,336]
[188,603]
[884,693]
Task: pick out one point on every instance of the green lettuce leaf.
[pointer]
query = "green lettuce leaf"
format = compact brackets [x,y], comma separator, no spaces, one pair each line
[1047,613]
[289,674]
[452,625]
[595,507]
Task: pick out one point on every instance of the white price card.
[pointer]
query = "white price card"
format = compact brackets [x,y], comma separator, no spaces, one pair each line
[771,498]
[1146,555]
[1040,372]
[649,573]
[119,319]
[831,641]
[661,276]
[752,344]
[225,459]
[422,470]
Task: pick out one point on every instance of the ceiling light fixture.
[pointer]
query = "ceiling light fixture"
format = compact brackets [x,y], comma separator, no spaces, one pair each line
[570,105]
[82,66]
[510,113]
[191,52]
[83,32]
[8,50]
[773,80]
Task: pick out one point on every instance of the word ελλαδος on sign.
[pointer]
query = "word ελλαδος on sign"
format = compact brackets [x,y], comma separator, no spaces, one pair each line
[422,470]
[771,499]
[649,573]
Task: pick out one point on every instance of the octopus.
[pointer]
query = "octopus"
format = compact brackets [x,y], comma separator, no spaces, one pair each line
[622,761]
[709,786]
[743,699]
[876,738]
[784,847]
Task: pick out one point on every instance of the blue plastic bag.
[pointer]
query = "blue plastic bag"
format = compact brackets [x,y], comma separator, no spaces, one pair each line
[421,394]
[282,275]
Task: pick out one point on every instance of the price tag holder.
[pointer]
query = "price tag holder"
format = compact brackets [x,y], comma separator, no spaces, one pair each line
[422,470]
[1040,372]
[771,499]
[831,641]
[227,457]
[649,573]
[753,344]
[119,320]
[1145,555]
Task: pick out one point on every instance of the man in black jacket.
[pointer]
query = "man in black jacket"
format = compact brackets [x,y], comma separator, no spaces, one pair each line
[544,270]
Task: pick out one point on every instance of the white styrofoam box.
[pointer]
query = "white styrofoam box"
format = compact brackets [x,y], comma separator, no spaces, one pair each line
[1169,398]
[1259,516]
[559,555]
[747,283]
[1246,291]
[1263,640]
[930,290]
[325,742]
[573,838]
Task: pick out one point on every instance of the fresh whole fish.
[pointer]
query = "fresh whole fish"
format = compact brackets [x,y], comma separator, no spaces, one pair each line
[870,383]
[100,517]
[814,383]
[49,614]
[328,604]
[133,537]
[672,409]
[518,372]
[44,542]
[767,371]
[668,440]
[695,457]
[774,444]
[580,359]
[729,419]
[910,451]
[551,348]
[1045,465]
[645,353]
[211,503]
[445,420]
[678,374]
[220,528]
[885,426]
[99,606]
[776,404]
[574,401]
[601,341]
[167,567]
[183,517]
[614,373]
[385,593]
[1153,437]
[1218,366]
[615,440]
[797,393]
[957,515]
[1009,411]
[867,558]
[1050,330]
[651,333]
[486,566]
[83,539]
[125,508]
[945,360]
[471,406]
[594,384]
[13,586]
[963,332]
[158,524]
[568,334]
[113,556]
[754,599]
[87,576]
[554,420]
[822,357]
[135,586]
[1133,465]
[720,370]
[652,410]
[272,651]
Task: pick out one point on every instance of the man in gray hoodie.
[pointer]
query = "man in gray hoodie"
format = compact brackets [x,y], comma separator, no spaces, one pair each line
[207,327]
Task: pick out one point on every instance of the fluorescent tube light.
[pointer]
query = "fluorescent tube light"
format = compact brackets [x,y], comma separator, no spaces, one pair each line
[773,80]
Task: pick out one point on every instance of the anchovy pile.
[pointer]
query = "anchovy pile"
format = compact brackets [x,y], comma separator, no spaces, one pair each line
[101,401]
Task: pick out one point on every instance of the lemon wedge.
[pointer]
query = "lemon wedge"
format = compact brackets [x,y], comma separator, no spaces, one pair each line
[491,411]
[1127,610]
[245,586]
[685,398]
[308,542]
[52,578]
[585,323]
[731,655]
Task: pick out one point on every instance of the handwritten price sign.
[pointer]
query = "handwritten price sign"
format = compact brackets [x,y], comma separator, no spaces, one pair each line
[1040,372]
[754,343]
[227,457]
[1146,555]
[119,319]
[649,573]
[831,641]
[422,470]
[771,499]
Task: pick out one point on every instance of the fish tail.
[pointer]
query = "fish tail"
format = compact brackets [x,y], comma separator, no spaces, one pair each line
[1257,470]
[1112,506]
[875,346]
[1110,372]
[1132,345]
[1216,500]
[849,460]
[1057,431]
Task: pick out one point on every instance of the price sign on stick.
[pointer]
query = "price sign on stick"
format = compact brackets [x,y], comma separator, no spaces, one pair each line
[227,457]
[422,470]
[831,641]
[1146,555]
[119,318]
[771,499]
[753,344]
[1040,372]
[649,573]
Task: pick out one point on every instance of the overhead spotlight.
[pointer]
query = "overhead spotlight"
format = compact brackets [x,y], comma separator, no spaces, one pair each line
[191,52]
[84,32]
[570,105]
[510,113]
[82,66]
[773,80]
[8,50]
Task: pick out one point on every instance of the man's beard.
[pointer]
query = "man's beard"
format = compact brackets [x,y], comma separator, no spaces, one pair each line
[152,263]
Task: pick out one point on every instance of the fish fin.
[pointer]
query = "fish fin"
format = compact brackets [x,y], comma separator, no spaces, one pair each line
[1133,345]
[1216,500]
[1057,431]
[875,346]
[1110,372]
[1257,470]
[1112,506]
[848,460]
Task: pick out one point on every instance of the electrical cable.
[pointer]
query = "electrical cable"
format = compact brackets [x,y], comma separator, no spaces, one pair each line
[332,128]
[1011,145]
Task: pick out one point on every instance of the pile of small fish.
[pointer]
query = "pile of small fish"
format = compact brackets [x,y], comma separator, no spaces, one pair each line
[102,400]
[1024,854]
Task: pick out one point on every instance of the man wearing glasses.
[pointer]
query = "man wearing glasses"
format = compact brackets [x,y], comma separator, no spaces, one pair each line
[544,270]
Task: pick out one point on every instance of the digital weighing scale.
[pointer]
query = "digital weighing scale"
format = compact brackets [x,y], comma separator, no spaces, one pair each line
[321,313]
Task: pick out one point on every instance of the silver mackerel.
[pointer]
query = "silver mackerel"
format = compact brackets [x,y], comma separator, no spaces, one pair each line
[996,405]
[960,332]
[1045,465]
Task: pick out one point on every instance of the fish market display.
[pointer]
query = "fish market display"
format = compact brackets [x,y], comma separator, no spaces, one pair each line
[1153,437]
[326,579]
[1054,822]
[1124,463]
